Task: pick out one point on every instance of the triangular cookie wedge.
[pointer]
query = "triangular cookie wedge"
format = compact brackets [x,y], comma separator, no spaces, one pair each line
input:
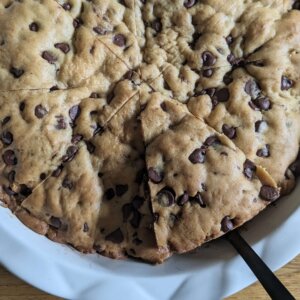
[96,201]
[201,185]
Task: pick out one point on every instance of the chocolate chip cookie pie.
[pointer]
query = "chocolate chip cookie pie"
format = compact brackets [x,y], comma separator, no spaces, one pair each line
[143,128]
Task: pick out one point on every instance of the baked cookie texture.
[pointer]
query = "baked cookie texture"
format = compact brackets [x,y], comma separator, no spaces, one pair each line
[143,128]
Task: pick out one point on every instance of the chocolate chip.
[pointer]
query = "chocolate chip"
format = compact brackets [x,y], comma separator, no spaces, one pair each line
[94,95]
[55,222]
[5,120]
[154,175]
[252,88]
[9,158]
[100,30]
[34,27]
[25,190]
[163,106]
[136,219]
[67,6]
[49,57]
[119,40]
[211,140]
[67,183]
[70,153]
[184,198]
[226,224]
[109,194]
[137,202]
[165,197]
[22,106]
[127,210]
[90,147]
[74,112]
[98,129]
[9,191]
[54,88]
[269,193]
[263,103]
[260,126]
[58,171]
[11,176]
[208,59]
[198,156]
[40,111]
[121,189]
[86,227]
[17,73]
[221,95]
[189,3]
[43,176]
[295,167]
[207,73]
[229,39]
[7,138]
[199,200]
[77,23]
[264,152]
[61,124]
[157,25]
[286,83]
[115,237]
[229,131]
[63,47]
[76,138]
[249,169]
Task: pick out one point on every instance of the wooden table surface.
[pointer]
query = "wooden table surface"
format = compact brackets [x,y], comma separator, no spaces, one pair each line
[12,288]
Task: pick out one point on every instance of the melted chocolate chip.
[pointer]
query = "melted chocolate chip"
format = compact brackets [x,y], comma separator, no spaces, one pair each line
[86,227]
[74,112]
[184,198]
[70,153]
[221,95]
[67,183]
[264,152]
[61,124]
[119,40]
[34,27]
[57,172]
[157,25]
[226,224]
[49,57]
[109,194]
[63,47]
[121,189]
[269,193]
[40,111]
[154,175]
[189,3]
[17,73]
[136,219]
[9,158]
[7,138]
[100,30]
[199,200]
[55,222]
[115,237]
[198,156]
[262,103]
[252,88]
[208,59]
[286,83]
[166,197]
[249,169]
[137,202]
[11,176]
[229,131]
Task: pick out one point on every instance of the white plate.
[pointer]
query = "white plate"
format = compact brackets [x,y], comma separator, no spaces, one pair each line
[212,272]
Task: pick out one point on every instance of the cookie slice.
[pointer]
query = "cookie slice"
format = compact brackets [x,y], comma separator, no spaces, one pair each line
[104,179]
[201,185]
[38,52]
[259,124]
[36,130]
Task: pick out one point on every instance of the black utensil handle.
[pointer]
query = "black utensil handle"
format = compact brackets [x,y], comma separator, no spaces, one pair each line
[269,281]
